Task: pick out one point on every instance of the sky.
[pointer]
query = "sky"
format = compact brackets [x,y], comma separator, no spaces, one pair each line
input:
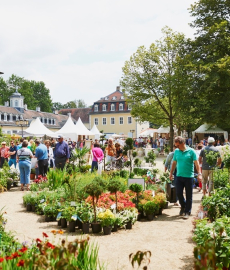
[78,48]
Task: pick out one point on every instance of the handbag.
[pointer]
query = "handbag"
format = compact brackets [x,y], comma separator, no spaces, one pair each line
[100,167]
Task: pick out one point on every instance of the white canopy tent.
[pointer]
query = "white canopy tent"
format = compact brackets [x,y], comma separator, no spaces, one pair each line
[68,130]
[209,129]
[38,129]
[96,132]
[148,132]
[80,128]
[162,129]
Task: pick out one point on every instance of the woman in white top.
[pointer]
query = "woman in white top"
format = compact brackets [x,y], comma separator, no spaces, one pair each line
[50,154]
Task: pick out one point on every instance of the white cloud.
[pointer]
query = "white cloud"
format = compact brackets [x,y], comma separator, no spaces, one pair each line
[79,47]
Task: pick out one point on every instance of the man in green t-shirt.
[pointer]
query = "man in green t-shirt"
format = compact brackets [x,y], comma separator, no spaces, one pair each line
[184,159]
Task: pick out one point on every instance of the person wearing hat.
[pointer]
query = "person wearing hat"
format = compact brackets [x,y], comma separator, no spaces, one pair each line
[207,168]
[4,153]
[61,153]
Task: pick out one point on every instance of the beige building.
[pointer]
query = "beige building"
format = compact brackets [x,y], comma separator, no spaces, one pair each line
[112,115]
[16,110]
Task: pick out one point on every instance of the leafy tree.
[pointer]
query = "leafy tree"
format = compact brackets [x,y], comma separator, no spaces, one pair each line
[155,79]
[57,106]
[69,105]
[80,103]
[3,91]
[211,59]
[42,96]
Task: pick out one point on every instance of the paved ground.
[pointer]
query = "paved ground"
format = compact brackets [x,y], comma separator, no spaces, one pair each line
[168,237]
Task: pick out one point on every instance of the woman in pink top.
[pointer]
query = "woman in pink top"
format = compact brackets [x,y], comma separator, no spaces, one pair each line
[98,155]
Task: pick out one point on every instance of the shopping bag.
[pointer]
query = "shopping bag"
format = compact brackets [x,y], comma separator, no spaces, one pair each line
[100,167]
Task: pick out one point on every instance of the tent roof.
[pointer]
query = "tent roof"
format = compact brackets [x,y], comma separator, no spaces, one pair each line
[162,129]
[38,129]
[209,128]
[68,128]
[95,130]
[148,131]
[81,129]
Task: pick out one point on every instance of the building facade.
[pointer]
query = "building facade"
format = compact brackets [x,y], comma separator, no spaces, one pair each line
[112,115]
[16,110]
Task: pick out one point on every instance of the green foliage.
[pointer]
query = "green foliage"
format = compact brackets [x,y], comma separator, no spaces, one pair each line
[218,204]
[220,178]
[136,188]
[211,157]
[139,171]
[137,162]
[151,157]
[150,207]
[134,154]
[213,244]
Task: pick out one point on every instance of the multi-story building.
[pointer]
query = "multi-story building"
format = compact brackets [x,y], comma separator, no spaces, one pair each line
[112,115]
[16,110]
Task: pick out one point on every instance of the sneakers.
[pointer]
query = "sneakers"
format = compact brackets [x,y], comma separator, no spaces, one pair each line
[181,212]
[186,216]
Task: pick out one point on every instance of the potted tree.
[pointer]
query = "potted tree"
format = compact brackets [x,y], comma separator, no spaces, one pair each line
[95,189]
[114,186]
[150,208]
[137,189]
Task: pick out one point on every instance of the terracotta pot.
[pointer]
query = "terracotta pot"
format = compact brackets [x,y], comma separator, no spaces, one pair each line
[32,176]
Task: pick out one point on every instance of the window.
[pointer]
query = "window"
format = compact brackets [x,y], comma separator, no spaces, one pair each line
[5,116]
[129,107]
[103,121]
[96,108]
[14,131]
[120,107]
[54,121]
[96,121]
[16,103]
[114,98]
[122,97]
[129,120]
[121,121]
[112,121]
[104,107]
[106,98]
[112,107]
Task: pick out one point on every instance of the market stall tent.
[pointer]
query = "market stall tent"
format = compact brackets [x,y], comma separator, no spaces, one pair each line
[210,129]
[81,129]
[148,132]
[164,130]
[38,129]
[96,132]
[68,130]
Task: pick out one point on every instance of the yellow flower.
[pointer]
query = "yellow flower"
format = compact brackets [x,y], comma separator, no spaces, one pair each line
[54,232]
[60,232]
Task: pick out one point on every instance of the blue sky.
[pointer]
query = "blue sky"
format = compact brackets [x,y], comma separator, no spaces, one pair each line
[78,48]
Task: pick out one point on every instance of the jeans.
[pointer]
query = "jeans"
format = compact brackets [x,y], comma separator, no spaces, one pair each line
[24,167]
[12,161]
[94,166]
[60,162]
[3,161]
[174,182]
[187,183]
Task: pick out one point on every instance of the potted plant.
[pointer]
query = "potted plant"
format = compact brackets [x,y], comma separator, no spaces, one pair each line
[137,188]
[160,199]
[150,208]
[32,174]
[85,213]
[114,186]
[69,214]
[9,183]
[129,217]
[95,189]
[107,219]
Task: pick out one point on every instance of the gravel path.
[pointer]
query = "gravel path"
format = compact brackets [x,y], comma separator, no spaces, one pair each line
[168,236]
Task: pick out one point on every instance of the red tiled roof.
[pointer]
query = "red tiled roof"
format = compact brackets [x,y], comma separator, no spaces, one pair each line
[83,113]
[110,97]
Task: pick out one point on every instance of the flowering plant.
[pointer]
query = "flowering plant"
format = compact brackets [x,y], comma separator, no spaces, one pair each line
[160,199]
[107,218]
[129,215]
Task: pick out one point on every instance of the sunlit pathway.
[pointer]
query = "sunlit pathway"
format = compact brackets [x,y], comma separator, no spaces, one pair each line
[168,237]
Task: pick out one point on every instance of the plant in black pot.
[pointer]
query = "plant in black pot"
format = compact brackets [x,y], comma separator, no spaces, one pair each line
[150,209]
[69,213]
[85,213]
[107,219]
[114,186]
[95,189]
[137,188]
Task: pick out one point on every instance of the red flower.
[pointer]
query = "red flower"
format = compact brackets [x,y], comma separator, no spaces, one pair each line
[24,249]
[15,255]
[50,245]
[45,235]
[21,263]
[8,258]
[1,260]
[38,240]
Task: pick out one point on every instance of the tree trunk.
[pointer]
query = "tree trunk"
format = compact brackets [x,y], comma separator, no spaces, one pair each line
[171,142]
